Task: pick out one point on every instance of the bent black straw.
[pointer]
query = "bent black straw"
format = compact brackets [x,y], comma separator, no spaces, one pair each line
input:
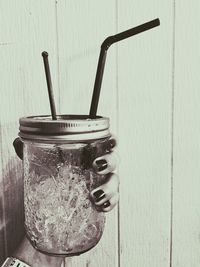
[102,58]
[49,85]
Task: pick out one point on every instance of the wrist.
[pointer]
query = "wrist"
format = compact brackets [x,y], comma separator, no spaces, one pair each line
[34,258]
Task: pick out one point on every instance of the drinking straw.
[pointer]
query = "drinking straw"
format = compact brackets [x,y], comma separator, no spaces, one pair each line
[49,85]
[51,97]
[102,58]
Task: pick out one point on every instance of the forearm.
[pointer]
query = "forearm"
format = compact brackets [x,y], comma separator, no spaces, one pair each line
[34,258]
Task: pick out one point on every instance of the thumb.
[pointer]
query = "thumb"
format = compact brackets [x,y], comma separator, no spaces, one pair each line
[18,145]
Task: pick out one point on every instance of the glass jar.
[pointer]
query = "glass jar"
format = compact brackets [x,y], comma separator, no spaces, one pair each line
[60,218]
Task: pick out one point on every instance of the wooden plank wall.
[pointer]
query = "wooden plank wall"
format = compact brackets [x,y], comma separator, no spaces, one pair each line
[24,35]
[144,65]
[186,181]
[150,91]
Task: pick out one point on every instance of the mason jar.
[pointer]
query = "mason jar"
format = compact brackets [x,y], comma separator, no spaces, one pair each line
[60,218]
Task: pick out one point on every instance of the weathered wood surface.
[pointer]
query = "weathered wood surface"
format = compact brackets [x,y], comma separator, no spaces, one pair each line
[186,182]
[144,74]
[155,120]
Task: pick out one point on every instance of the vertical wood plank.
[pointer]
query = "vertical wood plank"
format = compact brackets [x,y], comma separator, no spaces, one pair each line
[144,131]
[24,34]
[82,27]
[2,220]
[186,212]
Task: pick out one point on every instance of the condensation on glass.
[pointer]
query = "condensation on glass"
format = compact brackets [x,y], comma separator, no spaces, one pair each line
[60,218]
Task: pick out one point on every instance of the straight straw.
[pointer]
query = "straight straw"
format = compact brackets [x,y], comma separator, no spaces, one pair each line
[102,59]
[49,85]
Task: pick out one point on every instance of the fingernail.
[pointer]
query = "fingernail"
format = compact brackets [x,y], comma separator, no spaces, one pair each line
[106,204]
[18,145]
[101,164]
[112,143]
[99,195]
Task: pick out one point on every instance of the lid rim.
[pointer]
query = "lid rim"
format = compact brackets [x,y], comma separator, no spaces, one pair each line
[66,126]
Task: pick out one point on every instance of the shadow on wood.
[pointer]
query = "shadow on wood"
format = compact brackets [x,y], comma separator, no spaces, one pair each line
[11,208]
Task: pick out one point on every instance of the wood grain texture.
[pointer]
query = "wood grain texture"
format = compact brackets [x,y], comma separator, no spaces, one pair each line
[24,35]
[186,207]
[136,95]
[144,135]
[82,27]
[2,219]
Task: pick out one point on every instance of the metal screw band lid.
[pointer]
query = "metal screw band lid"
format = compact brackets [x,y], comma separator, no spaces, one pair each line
[66,127]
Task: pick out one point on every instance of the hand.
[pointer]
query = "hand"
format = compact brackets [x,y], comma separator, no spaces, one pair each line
[106,196]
